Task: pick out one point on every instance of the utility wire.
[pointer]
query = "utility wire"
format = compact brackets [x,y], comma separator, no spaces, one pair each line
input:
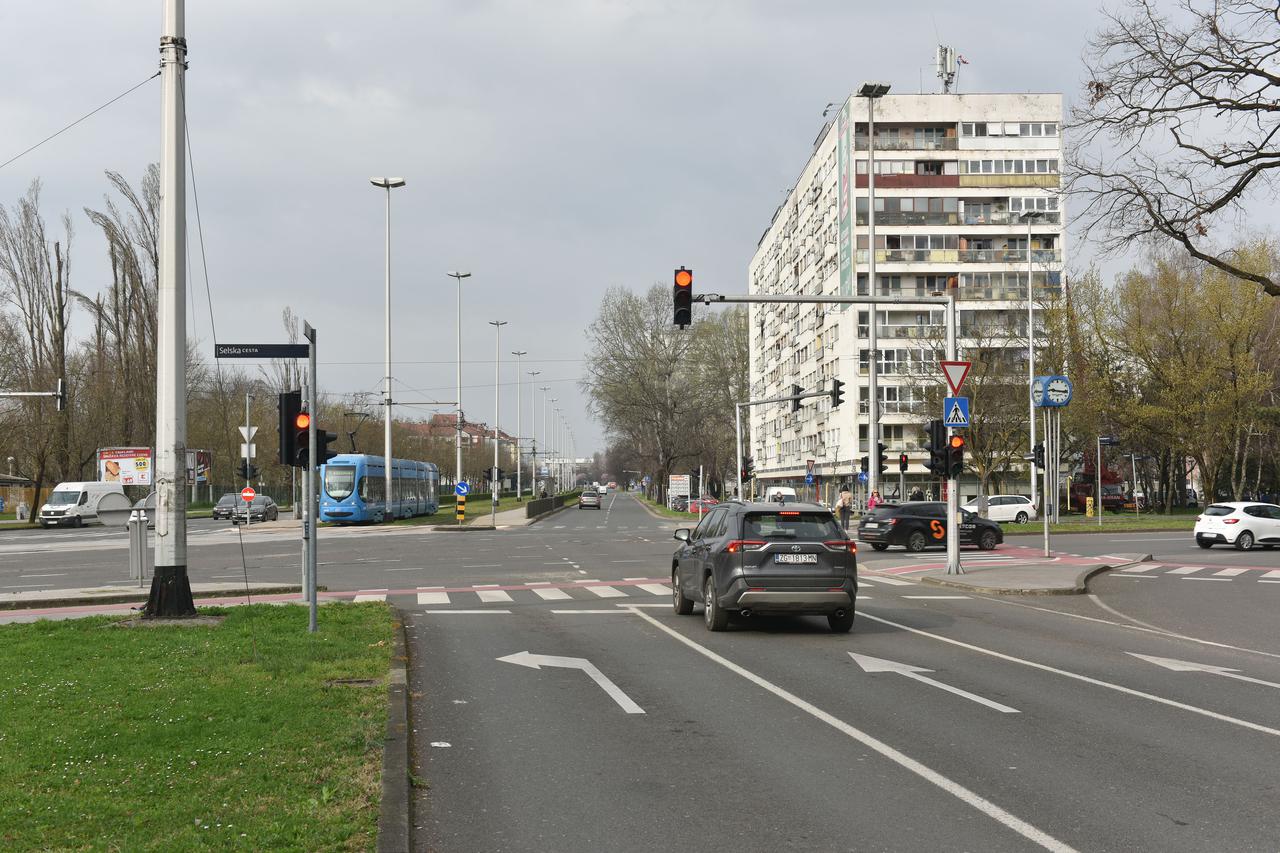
[77,121]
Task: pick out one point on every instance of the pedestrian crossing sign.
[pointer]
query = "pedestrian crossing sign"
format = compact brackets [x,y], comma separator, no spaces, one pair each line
[955,412]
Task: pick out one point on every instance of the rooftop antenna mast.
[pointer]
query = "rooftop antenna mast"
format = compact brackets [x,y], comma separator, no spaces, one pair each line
[946,64]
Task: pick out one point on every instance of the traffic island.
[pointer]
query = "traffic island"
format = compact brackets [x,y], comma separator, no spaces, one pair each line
[122,594]
[1045,578]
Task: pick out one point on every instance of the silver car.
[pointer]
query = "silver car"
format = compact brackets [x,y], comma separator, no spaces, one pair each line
[589,499]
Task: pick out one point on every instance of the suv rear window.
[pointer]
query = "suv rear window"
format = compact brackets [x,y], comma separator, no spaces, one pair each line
[1219,509]
[808,526]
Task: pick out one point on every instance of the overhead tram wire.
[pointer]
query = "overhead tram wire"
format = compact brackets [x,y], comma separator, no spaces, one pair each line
[89,114]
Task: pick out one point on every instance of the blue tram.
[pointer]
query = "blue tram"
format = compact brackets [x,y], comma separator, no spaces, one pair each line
[354,488]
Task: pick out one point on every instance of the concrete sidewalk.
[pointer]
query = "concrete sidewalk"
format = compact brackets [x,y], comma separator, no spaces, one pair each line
[126,593]
[1047,577]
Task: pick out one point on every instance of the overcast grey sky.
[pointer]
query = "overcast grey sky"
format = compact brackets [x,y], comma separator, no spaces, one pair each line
[552,148]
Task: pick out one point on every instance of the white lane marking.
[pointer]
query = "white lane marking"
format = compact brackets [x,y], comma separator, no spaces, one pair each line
[1225,580]
[873,665]
[1266,581]
[549,594]
[1189,666]
[482,566]
[468,612]
[629,561]
[1143,567]
[655,588]
[406,569]
[604,591]
[610,612]
[1272,574]
[376,596]
[1229,573]
[1120,688]
[615,693]
[429,596]
[55,575]
[938,597]
[891,581]
[903,760]
[1114,612]
[642,605]
[1185,570]
[493,595]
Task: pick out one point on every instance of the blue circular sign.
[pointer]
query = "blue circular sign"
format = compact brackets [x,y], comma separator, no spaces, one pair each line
[462,489]
[862,477]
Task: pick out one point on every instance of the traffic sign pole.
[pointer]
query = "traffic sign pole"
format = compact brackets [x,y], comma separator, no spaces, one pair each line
[953,491]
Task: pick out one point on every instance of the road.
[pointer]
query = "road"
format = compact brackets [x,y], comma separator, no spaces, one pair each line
[558,703]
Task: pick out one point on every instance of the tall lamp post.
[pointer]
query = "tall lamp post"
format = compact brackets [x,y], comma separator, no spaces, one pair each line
[387,184]
[494,488]
[519,354]
[457,430]
[555,475]
[546,453]
[1030,216]
[533,432]
[872,92]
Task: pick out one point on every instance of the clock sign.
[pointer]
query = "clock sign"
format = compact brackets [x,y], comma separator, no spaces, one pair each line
[1057,391]
[1037,390]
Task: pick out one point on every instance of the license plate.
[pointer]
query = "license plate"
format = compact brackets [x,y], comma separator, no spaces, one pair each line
[871,524]
[795,558]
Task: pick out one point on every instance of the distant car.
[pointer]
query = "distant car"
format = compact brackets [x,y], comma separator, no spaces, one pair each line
[747,558]
[263,508]
[703,504]
[680,503]
[1016,508]
[604,490]
[589,499]
[226,505]
[917,525]
[75,504]
[780,494]
[1240,523]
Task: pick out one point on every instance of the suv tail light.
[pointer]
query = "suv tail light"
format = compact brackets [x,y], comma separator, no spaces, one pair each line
[842,545]
[743,545]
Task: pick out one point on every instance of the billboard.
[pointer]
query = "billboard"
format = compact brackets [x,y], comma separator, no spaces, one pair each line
[129,466]
[844,166]
[678,484]
[198,464]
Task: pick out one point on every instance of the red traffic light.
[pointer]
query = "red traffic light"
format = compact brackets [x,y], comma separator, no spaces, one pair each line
[302,420]
[684,278]
[956,442]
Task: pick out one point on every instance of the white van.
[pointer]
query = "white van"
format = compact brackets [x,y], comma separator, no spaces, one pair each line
[75,504]
[780,494]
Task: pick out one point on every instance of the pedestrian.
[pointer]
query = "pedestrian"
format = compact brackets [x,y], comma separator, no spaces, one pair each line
[875,500]
[917,494]
[845,505]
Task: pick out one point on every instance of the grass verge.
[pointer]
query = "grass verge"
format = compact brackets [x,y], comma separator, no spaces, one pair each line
[669,513]
[1112,523]
[177,738]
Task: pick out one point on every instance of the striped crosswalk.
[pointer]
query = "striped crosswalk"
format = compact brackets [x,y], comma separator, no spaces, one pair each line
[1172,571]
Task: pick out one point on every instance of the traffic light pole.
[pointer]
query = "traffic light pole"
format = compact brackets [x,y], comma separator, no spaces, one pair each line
[953,481]
[787,398]
[248,463]
[311,524]
[737,423]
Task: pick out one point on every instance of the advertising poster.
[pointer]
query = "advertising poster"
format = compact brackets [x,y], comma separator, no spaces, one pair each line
[844,166]
[129,466]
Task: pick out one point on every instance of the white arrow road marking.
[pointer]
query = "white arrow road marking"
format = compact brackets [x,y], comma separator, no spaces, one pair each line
[538,661]
[1188,666]
[870,664]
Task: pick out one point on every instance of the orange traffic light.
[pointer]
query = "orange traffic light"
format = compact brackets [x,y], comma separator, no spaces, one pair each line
[684,278]
[302,421]
[957,442]
[955,456]
[682,298]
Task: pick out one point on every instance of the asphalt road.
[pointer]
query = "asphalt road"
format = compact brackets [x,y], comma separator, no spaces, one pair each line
[968,723]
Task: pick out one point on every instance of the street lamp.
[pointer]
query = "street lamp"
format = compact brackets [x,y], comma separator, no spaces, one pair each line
[387,184]
[519,354]
[1030,216]
[533,466]
[872,92]
[457,434]
[546,454]
[494,488]
[556,475]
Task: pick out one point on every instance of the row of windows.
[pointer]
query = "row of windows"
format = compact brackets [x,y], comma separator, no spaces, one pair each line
[1009,167]
[909,167]
[1009,128]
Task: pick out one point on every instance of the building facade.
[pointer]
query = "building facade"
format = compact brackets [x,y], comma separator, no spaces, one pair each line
[955,175]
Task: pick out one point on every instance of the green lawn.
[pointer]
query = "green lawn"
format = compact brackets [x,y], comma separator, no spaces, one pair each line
[669,513]
[1113,522]
[177,738]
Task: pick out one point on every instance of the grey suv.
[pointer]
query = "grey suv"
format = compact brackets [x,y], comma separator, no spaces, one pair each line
[747,558]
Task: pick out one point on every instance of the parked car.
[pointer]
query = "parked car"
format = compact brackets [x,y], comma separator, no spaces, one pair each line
[917,525]
[226,505]
[75,504]
[1240,523]
[702,504]
[589,499]
[680,503]
[263,508]
[749,558]
[1016,508]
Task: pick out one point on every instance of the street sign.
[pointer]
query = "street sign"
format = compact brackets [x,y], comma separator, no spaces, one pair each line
[648,481]
[955,412]
[247,433]
[678,484]
[462,489]
[261,351]
[248,451]
[808,467]
[955,372]
[862,476]
[247,493]
[808,479]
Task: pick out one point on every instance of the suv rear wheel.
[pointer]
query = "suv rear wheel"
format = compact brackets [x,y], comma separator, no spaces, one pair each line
[679,603]
[987,542]
[917,541]
[715,616]
[841,624]
[1021,518]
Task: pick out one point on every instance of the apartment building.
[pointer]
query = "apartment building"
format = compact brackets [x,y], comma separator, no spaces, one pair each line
[955,175]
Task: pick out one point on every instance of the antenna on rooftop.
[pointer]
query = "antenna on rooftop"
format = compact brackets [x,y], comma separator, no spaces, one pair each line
[946,65]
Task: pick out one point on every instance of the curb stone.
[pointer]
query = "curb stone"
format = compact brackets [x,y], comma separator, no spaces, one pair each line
[394,819]
[1080,586]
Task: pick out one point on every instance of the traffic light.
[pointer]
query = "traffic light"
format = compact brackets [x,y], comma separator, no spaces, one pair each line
[247,470]
[955,456]
[682,296]
[937,448]
[837,392]
[881,460]
[323,439]
[289,404]
[748,467]
[1038,451]
[866,464]
[902,462]
[796,391]
[301,439]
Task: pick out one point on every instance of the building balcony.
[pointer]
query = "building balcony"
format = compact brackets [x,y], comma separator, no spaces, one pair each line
[1005,217]
[1009,256]
[992,180]
[949,143]
[1011,293]
[899,218]
[910,256]
[891,182]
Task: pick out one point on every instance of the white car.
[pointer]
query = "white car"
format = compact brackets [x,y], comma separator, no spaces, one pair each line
[1015,508]
[1240,523]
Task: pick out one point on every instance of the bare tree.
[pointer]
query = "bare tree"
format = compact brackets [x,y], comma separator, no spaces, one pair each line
[1178,127]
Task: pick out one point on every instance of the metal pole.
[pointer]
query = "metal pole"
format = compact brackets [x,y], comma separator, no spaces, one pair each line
[953,482]
[495,488]
[737,418]
[1134,489]
[1031,357]
[1097,479]
[389,515]
[457,437]
[170,585]
[873,342]
[248,481]
[1057,466]
[304,497]
[309,479]
[1045,509]
[546,453]
[519,354]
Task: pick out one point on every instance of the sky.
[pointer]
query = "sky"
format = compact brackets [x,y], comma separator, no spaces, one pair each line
[552,148]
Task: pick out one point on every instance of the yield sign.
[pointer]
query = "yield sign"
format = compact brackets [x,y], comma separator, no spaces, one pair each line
[955,371]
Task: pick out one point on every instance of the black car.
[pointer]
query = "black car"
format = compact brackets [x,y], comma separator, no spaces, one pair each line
[226,505]
[263,508]
[746,558]
[917,525]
